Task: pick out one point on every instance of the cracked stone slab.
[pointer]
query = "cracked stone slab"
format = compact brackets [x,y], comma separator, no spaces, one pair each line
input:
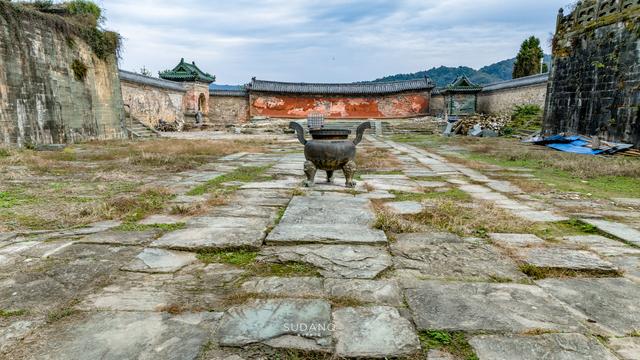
[546,346]
[391,184]
[373,332]
[161,219]
[630,265]
[328,209]
[616,229]
[382,292]
[221,233]
[123,335]
[559,258]
[504,187]
[228,222]
[540,216]
[262,197]
[244,210]
[333,261]
[286,287]
[444,255]
[154,260]
[112,237]
[516,240]
[610,302]
[627,348]
[288,323]
[602,245]
[458,306]
[14,331]
[379,194]
[404,207]
[325,234]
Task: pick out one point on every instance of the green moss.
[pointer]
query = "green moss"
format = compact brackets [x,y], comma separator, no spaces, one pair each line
[130,226]
[455,343]
[15,197]
[288,269]
[12,313]
[452,194]
[236,257]
[243,174]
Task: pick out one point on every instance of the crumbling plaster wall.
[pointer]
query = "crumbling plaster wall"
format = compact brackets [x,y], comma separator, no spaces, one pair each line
[356,107]
[149,104]
[225,109]
[41,100]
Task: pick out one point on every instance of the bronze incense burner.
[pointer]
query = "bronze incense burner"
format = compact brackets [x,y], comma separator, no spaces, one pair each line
[330,150]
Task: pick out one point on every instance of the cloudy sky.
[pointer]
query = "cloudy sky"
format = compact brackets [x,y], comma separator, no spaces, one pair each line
[324,40]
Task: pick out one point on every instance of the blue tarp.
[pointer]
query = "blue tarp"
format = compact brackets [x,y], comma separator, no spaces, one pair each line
[577,145]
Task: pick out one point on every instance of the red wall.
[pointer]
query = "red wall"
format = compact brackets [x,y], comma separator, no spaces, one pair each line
[298,106]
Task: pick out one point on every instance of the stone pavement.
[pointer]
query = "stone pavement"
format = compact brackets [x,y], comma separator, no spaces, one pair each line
[100,292]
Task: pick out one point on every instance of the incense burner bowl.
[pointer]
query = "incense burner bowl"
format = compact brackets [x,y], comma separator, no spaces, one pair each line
[330,150]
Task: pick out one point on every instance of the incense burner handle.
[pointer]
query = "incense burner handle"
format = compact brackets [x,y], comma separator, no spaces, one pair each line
[299,131]
[360,131]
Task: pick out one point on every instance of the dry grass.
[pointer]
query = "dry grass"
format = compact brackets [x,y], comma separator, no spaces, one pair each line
[374,159]
[538,273]
[393,223]
[448,215]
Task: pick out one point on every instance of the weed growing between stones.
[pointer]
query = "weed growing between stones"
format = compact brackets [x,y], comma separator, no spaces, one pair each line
[59,314]
[291,268]
[12,313]
[130,226]
[135,208]
[392,223]
[243,174]
[79,69]
[237,257]
[539,273]
[455,343]
[451,194]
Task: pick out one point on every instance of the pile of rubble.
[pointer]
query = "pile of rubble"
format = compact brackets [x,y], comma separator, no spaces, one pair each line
[479,125]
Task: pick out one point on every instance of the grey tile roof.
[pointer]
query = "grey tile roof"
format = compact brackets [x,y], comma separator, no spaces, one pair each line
[523,81]
[151,81]
[236,93]
[342,89]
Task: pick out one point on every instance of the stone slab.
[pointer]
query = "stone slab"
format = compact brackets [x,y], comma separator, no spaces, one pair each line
[211,238]
[328,209]
[285,287]
[446,256]
[515,240]
[457,306]
[373,332]
[290,323]
[504,187]
[559,258]
[226,222]
[546,346]
[602,245]
[161,219]
[112,237]
[123,335]
[627,348]
[273,184]
[289,234]
[610,302]
[540,216]
[396,185]
[432,184]
[382,292]
[404,207]
[634,202]
[630,265]
[616,229]
[379,194]
[152,260]
[333,261]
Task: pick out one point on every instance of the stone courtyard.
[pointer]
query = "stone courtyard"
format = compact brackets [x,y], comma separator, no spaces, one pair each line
[281,271]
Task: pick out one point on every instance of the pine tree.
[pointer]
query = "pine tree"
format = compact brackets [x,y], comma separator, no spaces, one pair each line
[529,59]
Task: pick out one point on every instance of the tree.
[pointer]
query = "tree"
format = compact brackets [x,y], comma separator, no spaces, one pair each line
[529,59]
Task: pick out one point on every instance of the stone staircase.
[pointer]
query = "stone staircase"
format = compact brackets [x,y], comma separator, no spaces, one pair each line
[138,129]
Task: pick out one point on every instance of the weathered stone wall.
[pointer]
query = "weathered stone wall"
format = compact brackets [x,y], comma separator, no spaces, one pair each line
[504,97]
[594,86]
[401,105]
[41,100]
[150,99]
[228,107]
[436,107]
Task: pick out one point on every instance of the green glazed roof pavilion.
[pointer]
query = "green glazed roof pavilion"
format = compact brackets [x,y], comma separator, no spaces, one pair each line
[462,84]
[187,72]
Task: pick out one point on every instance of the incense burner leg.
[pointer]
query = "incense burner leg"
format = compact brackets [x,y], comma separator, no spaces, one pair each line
[310,171]
[349,170]
[330,176]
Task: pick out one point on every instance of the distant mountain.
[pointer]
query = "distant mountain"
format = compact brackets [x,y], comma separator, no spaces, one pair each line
[213,86]
[444,75]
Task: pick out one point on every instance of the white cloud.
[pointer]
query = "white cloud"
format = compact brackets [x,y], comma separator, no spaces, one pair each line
[324,40]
